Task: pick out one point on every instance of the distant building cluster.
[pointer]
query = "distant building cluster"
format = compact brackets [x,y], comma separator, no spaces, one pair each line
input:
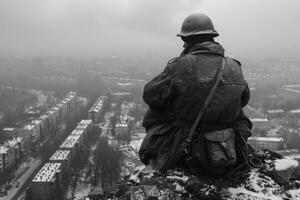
[258,117]
[291,93]
[52,174]
[97,110]
[10,153]
[121,84]
[38,129]
[276,113]
[122,126]
[254,112]
[271,143]
[33,132]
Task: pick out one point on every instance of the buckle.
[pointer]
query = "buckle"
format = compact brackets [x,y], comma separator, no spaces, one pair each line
[186,151]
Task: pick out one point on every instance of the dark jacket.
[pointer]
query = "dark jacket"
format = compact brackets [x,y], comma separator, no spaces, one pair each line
[176,95]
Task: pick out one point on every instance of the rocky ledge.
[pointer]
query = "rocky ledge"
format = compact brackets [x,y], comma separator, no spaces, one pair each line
[277,179]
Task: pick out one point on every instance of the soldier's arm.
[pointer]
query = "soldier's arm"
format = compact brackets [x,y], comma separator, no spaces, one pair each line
[158,92]
[243,124]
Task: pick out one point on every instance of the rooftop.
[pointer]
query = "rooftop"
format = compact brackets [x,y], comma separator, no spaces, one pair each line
[8,129]
[60,155]
[82,126]
[70,141]
[9,145]
[121,93]
[124,84]
[295,111]
[124,79]
[266,139]
[50,112]
[29,127]
[13,142]
[46,174]
[85,121]
[44,116]
[55,108]
[3,149]
[121,125]
[77,132]
[259,120]
[36,121]
[60,105]
[276,111]
[98,104]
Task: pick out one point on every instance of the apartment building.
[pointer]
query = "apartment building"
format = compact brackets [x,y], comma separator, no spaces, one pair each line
[45,184]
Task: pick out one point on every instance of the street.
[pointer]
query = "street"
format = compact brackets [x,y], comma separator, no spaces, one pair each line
[15,190]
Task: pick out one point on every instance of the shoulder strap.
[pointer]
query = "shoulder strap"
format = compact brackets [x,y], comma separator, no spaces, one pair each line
[217,79]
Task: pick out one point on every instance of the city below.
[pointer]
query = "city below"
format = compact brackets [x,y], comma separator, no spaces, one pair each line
[71,129]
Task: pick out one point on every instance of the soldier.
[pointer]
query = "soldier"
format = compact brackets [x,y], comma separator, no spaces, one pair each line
[176,95]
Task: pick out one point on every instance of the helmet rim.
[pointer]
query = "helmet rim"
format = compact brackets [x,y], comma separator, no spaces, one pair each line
[213,33]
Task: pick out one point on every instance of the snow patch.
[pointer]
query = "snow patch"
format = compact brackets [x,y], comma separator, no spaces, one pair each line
[283,164]
[241,193]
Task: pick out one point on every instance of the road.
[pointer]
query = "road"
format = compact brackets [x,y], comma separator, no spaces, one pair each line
[24,180]
[105,126]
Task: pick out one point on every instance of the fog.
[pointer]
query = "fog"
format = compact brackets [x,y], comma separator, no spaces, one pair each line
[253,28]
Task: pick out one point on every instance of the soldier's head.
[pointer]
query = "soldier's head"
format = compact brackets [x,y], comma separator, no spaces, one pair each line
[197,28]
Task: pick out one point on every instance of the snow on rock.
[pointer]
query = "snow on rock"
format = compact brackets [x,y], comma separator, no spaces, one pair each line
[241,193]
[286,169]
[255,184]
[283,164]
[259,182]
[294,194]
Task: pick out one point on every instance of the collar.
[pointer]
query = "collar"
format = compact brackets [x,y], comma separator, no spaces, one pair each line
[212,47]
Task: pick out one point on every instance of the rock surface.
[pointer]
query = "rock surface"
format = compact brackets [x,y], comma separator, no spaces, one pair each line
[277,179]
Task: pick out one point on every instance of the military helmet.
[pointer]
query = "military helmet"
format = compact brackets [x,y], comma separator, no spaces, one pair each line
[197,24]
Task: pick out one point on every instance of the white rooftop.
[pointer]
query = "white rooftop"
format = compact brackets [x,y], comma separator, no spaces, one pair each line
[259,119]
[60,105]
[36,122]
[121,93]
[8,129]
[70,141]
[98,104]
[47,173]
[77,132]
[50,112]
[295,111]
[276,111]
[55,108]
[124,84]
[9,145]
[86,121]
[44,116]
[60,155]
[121,125]
[3,149]
[82,126]
[29,127]
[13,142]
[266,139]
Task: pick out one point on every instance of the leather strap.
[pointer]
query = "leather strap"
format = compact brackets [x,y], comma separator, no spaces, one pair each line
[217,79]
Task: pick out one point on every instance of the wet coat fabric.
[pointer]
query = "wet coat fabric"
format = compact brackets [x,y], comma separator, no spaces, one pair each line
[176,95]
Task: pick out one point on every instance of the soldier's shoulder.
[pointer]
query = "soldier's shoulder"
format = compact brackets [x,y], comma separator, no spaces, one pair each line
[174,60]
[180,60]
[234,59]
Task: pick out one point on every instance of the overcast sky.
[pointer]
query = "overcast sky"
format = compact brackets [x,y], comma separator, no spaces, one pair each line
[102,28]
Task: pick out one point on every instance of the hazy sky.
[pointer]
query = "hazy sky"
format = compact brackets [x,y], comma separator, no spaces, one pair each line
[145,27]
